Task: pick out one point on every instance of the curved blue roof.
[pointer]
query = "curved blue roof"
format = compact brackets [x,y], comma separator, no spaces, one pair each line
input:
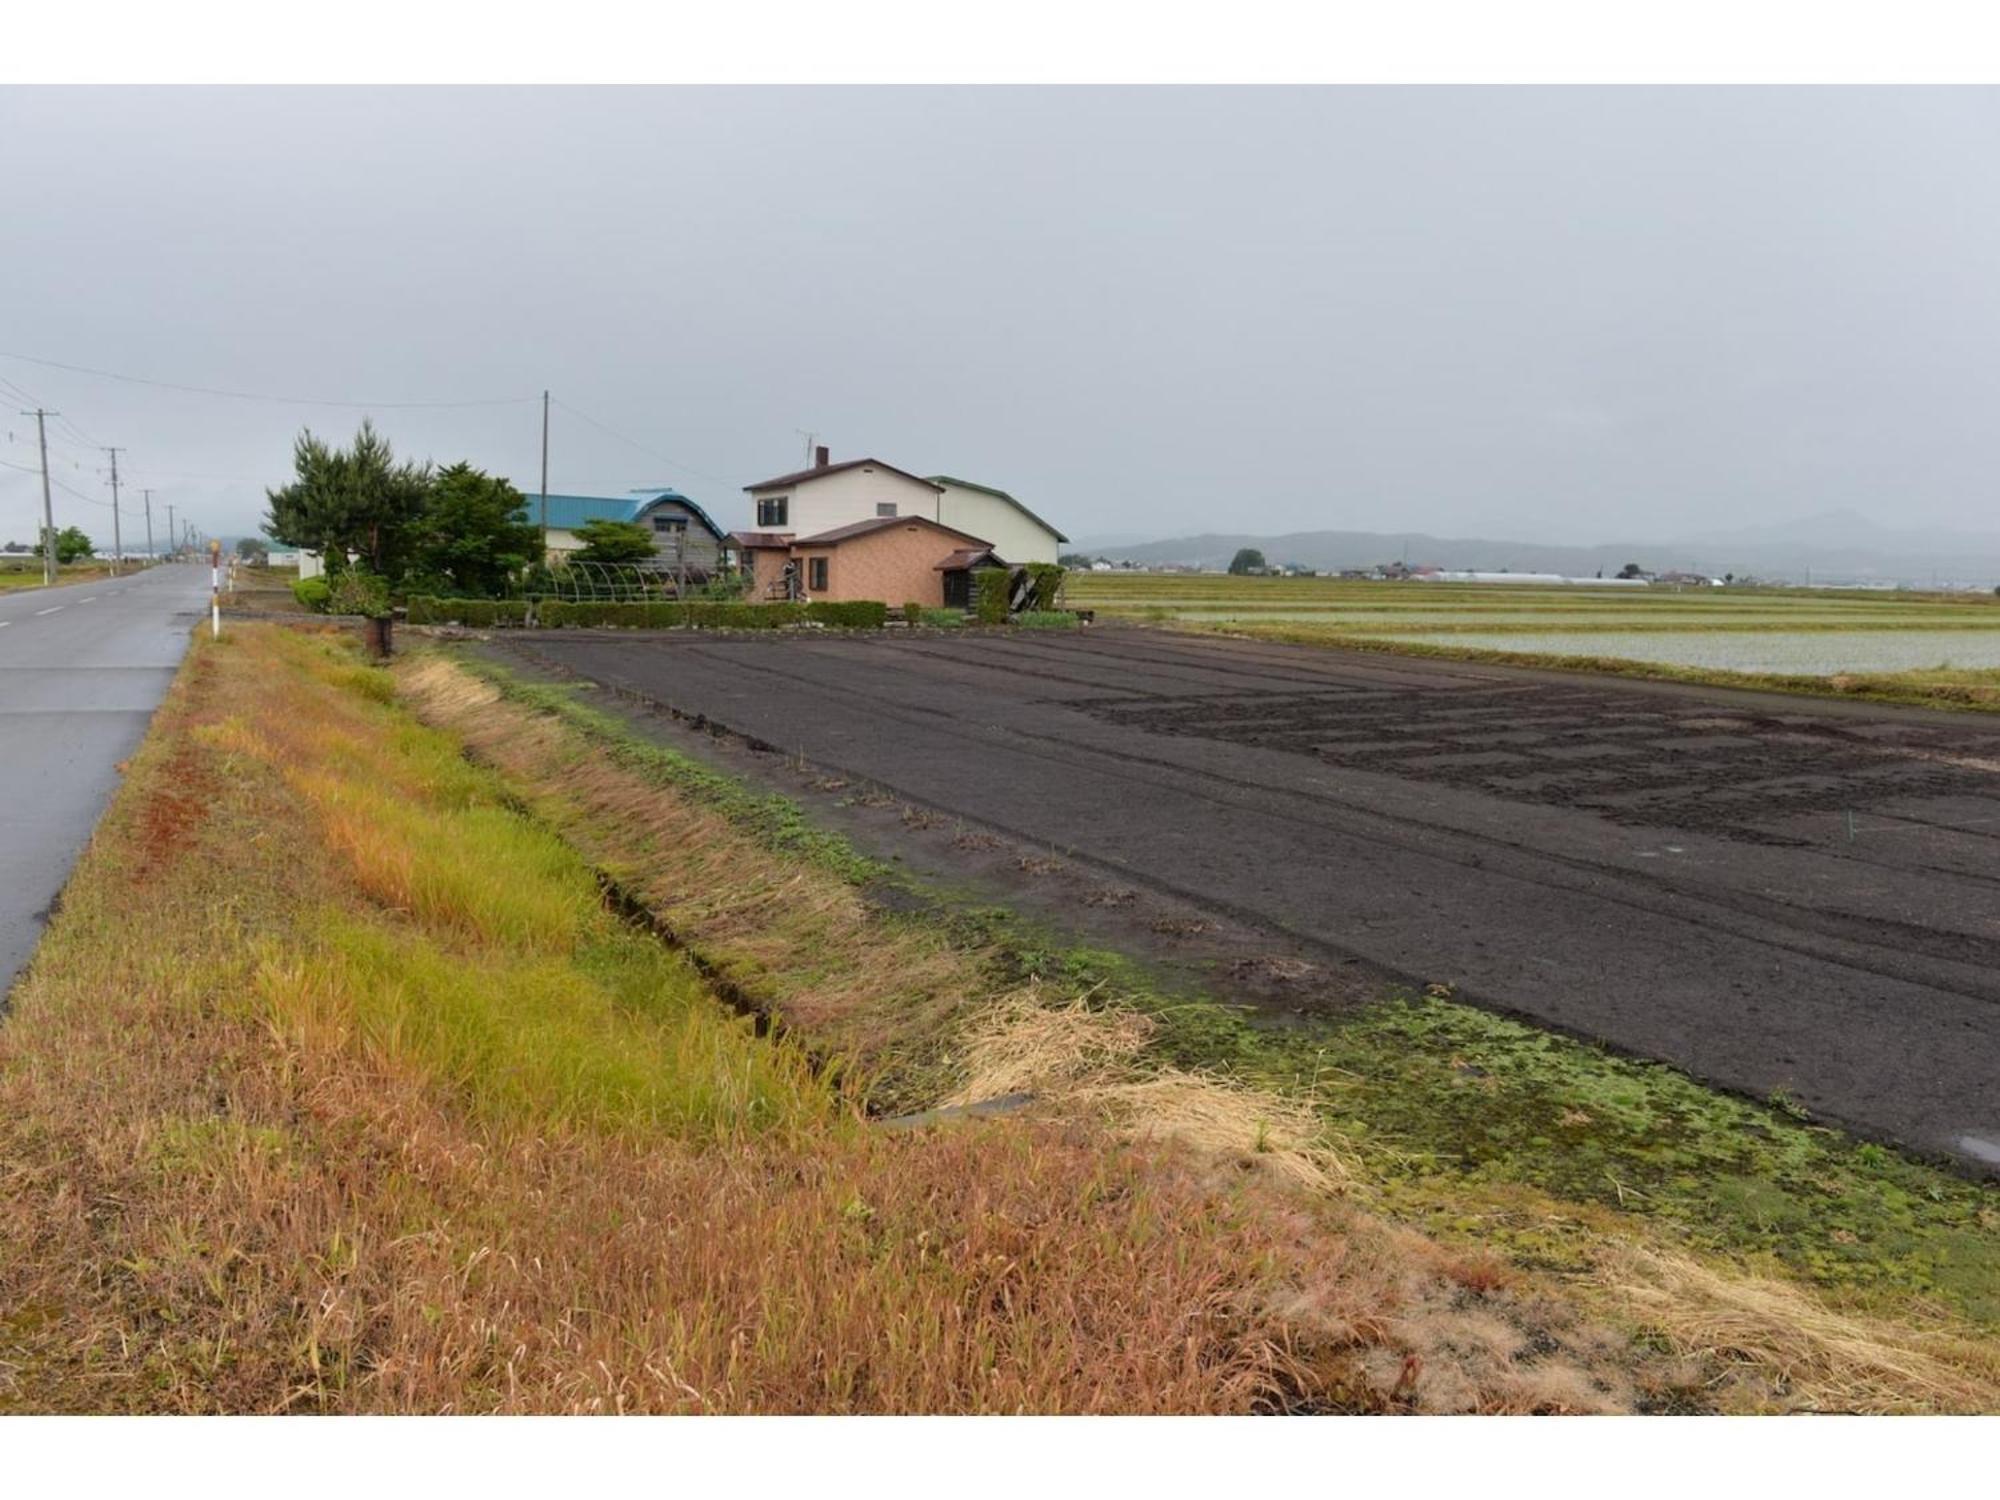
[567,512]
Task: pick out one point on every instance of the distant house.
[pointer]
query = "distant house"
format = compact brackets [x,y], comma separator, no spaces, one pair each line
[830,495]
[896,559]
[683,534]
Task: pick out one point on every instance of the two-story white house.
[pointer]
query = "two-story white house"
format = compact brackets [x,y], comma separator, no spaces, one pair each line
[831,495]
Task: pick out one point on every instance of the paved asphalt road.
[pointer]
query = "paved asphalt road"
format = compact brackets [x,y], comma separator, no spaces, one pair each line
[82,668]
[1671,870]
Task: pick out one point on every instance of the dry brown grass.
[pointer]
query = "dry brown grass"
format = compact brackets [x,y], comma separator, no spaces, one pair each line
[1814,1358]
[234,1182]
[1081,1063]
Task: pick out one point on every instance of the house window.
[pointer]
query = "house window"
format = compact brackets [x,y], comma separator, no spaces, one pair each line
[772,512]
[816,575]
[670,523]
[885,507]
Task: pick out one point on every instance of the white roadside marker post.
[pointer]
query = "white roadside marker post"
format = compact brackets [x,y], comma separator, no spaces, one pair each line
[214,588]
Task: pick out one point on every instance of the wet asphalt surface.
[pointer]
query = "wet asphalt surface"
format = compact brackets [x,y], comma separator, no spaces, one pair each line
[82,668]
[1777,894]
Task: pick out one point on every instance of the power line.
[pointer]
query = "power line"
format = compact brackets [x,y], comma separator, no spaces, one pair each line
[66,488]
[664,458]
[207,390]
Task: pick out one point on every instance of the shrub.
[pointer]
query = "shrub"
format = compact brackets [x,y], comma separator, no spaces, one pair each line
[913,613]
[313,593]
[948,619]
[359,592]
[990,596]
[849,614]
[665,614]
[426,609]
[720,616]
[1045,619]
[1045,582]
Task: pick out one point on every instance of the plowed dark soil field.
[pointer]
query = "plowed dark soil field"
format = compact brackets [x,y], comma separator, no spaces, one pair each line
[1777,894]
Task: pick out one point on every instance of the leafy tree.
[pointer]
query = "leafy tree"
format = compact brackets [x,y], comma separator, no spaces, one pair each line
[252,551]
[71,544]
[357,500]
[471,538]
[1247,560]
[1631,570]
[614,542]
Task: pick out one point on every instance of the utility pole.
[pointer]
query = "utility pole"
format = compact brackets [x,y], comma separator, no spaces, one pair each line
[117,536]
[149,526]
[545,478]
[48,511]
[173,542]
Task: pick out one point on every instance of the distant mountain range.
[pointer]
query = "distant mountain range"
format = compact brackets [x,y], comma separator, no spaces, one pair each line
[1837,546]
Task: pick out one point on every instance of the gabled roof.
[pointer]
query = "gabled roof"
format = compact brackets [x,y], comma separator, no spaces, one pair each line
[966,557]
[567,512]
[986,489]
[786,481]
[848,533]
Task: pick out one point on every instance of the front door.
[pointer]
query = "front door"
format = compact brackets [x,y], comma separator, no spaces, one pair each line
[958,588]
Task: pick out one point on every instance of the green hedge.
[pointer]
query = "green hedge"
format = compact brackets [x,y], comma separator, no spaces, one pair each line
[663,614]
[1045,581]
[478,613]
[990,595]
[849,614]
[655,614]
[314,593]
[1045,619]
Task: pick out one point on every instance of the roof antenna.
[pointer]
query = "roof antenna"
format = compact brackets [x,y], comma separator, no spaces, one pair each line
[812,438]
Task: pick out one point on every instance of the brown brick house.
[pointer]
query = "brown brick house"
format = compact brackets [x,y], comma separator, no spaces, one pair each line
[896,559]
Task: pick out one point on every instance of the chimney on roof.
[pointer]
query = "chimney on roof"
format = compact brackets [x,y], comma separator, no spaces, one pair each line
[820,457]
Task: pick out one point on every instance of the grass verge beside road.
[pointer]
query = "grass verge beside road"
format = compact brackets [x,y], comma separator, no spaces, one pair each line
[30,577]
[338,1084]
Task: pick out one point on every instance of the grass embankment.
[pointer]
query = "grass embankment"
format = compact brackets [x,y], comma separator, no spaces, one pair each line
[12,578]
[337,1085]
[1821,1272]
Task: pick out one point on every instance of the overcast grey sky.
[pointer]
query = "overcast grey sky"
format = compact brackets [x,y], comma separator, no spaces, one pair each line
[1550,314]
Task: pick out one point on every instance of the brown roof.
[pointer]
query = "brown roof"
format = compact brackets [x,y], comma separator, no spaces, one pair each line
[785,481]
[965,557]
[847,533]
[747,539]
